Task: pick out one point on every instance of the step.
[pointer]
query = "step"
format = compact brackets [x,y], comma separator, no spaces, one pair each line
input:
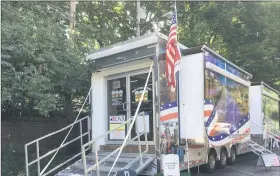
[111,159]
[127,149]
[80,166]
[107,169]
[102,168]
[103,154]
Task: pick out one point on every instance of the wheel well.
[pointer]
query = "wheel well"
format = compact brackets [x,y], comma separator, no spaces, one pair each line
[234,147]
[212,150]
[225,149]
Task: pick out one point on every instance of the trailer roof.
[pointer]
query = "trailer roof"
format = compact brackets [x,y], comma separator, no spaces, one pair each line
[127,45]
[206,48]
[266,85]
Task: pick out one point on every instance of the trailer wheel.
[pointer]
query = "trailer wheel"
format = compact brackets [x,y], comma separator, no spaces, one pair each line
[223,159]
[211,165]
[232,158]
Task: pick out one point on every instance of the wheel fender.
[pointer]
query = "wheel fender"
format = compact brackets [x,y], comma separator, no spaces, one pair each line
[211,150]
[233,146]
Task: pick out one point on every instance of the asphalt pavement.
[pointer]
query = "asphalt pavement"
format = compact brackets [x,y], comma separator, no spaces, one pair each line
[245,165]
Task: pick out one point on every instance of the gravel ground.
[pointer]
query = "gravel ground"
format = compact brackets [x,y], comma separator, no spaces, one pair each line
[245,165]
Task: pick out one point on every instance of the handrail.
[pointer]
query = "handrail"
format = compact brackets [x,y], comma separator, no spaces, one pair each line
[69,130]
[93,142]
[55,132]
[40,173]
[270,134]
[105,134]
[54,150]
[109,155]
[39,158]
[58,166]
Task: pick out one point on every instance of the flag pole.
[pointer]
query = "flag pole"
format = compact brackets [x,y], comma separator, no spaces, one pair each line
[176,20]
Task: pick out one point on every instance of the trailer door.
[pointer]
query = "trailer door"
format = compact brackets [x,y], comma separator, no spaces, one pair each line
[192,97]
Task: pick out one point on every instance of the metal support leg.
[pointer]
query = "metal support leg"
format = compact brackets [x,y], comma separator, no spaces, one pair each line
[26,161]
[84,161]
[89,128]
[81,133]
[96,160]
[38,156]
[138,138]
[145,130]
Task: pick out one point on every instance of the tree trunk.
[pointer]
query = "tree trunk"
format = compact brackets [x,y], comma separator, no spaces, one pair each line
[72,14]
[68,108]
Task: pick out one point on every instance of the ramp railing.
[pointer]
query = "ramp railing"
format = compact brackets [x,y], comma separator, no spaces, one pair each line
[93,143]
[131,121]
[54,151]
[268,134]
[62,145]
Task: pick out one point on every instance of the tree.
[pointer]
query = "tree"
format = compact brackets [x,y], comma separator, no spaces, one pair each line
[40,68]
[43,65]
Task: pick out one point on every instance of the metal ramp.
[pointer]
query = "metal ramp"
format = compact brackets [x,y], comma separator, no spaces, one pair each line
[125,161]
[259,149]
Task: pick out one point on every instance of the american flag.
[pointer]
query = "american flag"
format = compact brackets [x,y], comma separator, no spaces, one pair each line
[173,55]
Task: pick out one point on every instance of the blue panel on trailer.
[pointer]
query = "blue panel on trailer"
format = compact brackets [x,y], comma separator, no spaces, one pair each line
[214,60]
[226,66]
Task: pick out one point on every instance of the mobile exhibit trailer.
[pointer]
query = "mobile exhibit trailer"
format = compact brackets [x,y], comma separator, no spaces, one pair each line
[265,117]
[136,118]
[213,103]
[213,106]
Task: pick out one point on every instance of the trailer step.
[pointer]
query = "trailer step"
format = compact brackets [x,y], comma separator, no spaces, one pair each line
[126,161]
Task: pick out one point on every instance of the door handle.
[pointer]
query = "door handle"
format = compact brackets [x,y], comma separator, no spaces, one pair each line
[124,106]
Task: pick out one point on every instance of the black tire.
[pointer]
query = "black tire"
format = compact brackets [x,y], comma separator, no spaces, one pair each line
[232,157]
[211,165]
[223,159]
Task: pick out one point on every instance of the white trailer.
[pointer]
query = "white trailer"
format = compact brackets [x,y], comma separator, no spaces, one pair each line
[213,109]
[265,119]
[136,118]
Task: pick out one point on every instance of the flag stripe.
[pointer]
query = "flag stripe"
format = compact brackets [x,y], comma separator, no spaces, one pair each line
[173,54]
[169,116]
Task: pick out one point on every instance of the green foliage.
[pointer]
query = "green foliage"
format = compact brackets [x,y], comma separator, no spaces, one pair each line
[40,68]
[10,163]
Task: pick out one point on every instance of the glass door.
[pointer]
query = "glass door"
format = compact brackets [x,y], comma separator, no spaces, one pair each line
[137,83]
[117,107]
[123,95]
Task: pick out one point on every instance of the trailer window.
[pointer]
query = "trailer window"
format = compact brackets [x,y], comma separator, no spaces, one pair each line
[271,114]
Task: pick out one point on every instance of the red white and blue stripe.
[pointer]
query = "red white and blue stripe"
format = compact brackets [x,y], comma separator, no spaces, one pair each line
[218,133]
[169,111]
[222,133]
